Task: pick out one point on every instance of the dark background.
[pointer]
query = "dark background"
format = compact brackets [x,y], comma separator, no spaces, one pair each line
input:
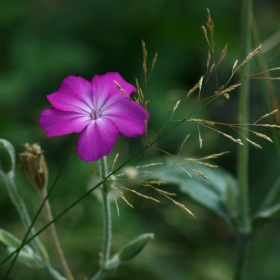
[42,42]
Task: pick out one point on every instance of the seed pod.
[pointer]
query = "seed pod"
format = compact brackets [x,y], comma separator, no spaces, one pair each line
[34,165]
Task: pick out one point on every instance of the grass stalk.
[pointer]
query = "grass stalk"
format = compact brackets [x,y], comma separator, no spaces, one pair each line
[244,230]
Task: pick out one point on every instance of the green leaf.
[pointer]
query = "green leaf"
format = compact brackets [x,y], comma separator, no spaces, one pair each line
[27,256]
[264,215]
[271,212]
[218,193]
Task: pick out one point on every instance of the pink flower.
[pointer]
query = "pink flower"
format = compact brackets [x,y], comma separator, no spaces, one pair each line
[98,110]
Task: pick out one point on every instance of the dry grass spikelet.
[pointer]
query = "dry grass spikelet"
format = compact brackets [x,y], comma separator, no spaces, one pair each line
[140,98]
[183,143]
[249,57]
[267,115]
[120,88]
[223,54]
[154,61]
[180,205]
[197,86]
[208,60]
[145,55]
[208,165]
[210,123]
[199,137]
[224,91]
[263,136]
[199,173]
[142,195]
[210,22]
[214,156]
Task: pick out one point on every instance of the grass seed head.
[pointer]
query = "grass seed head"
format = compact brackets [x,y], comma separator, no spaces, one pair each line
[210,23]
[263,136]
[197,86]
[223,55]
[154,61]
[120,88]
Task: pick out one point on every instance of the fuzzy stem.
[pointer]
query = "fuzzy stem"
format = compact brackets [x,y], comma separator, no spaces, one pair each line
[106,212]
[54,236]
[105,189]
[24,216]
[244,229]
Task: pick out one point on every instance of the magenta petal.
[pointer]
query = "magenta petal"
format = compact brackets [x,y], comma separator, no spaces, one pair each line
[56,122]
[97,140]
[66,102]
[129,116]
[78,87]
[105,88]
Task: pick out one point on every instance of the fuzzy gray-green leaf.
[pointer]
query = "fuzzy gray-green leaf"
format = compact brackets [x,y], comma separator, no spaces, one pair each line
[219,193]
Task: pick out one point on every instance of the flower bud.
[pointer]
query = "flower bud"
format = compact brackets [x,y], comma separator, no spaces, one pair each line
[133,248]
[7,156]
[34,165]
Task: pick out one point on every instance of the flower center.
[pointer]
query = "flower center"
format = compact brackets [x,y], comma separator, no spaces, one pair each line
[95,114]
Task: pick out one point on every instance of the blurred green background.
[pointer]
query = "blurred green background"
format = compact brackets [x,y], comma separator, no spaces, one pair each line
[42,42]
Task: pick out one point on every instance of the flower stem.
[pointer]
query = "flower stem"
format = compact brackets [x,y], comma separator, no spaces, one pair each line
[24,216]
[106,213]
[54,236]
[105,189]
[244,229]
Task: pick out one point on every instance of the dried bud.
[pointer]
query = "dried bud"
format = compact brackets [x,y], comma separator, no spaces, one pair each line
[7,156]
[34,165]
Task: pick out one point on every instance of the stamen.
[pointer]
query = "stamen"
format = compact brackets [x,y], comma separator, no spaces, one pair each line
[95,114]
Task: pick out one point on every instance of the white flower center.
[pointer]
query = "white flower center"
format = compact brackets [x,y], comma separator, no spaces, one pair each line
[95,114]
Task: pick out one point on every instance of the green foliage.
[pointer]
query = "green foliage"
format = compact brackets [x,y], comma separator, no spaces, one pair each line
[44,41]
[265,215]
[218,193]
[26,256]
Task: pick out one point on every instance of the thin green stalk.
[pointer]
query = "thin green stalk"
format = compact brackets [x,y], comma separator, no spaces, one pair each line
[244,229]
